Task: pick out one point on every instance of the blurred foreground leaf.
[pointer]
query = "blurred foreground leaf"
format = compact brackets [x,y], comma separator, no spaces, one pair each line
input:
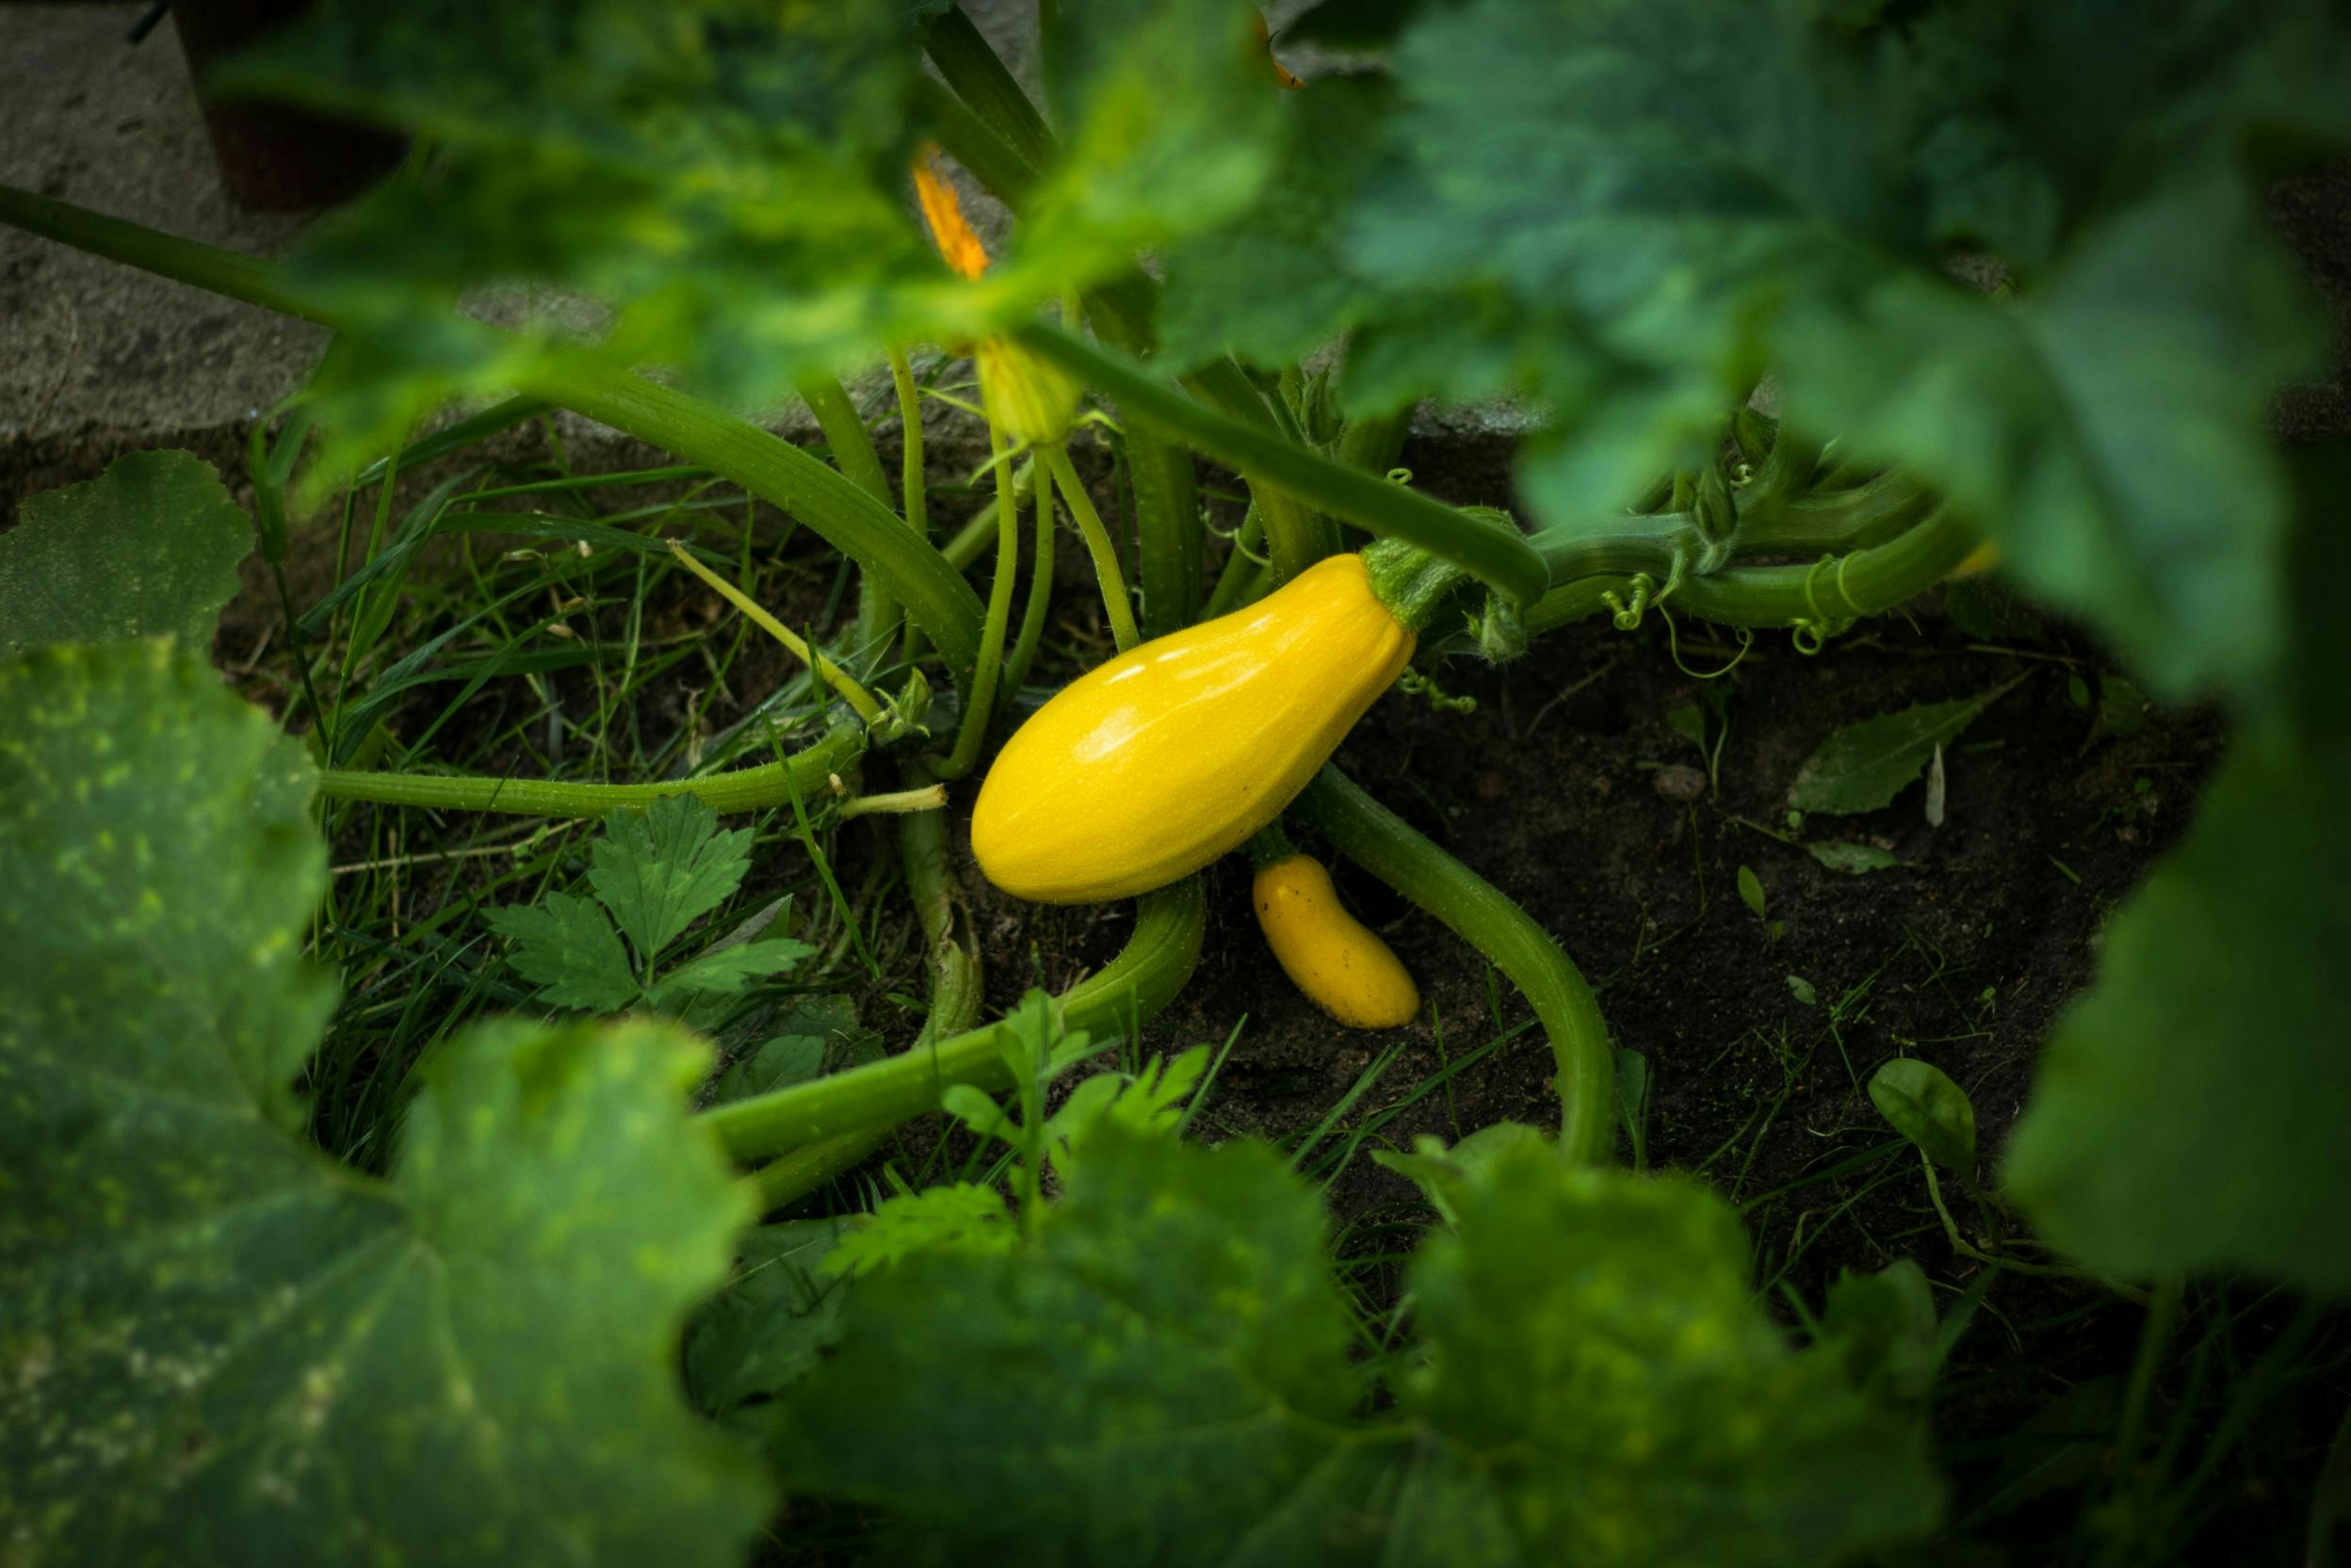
[150,547]
[2189,1110]
[226,1348]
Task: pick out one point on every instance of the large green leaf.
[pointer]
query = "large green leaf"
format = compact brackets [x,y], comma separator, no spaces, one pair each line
[718,184]
[224,1348]
[1277,282]
[1639,207]
[149,547]
[1160,1376]
[2109,432]
[661,869]
[1168,117]
[2190,1109]
[1144,1383]
[1603,1388]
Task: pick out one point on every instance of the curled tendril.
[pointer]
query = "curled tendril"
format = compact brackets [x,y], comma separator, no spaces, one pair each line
[1812,633]
[1400,476]
[1419,684]
[1810,637]
[1626,615]
[1673,650]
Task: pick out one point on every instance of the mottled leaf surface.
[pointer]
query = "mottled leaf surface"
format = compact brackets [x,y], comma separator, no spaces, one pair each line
[150,547]
[1143,1383]
[1161,1375]
[2189,1110]
[1278,283]
[1607,1389]
[1630,209]
[220,1346]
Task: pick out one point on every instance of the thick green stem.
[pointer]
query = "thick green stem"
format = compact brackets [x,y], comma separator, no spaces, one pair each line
[1106,571]
[1171,541]
[806,772]
[933,593]
[1486,549]
[853,455]
[1619,546]
[1144,977]
[955,986]
[1384,845]
[980,709]
[1864,583]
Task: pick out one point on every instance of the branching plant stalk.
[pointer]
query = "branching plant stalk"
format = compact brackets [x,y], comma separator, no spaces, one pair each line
[955,993]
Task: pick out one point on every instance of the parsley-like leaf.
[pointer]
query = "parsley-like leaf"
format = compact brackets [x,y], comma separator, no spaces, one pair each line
[566,946]
[661,869]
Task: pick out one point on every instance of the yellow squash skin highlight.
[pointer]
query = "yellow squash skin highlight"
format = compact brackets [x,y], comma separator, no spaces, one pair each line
[1147,768]
[1339,962]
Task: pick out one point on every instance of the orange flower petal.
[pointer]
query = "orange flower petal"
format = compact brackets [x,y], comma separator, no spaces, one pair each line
[950,231]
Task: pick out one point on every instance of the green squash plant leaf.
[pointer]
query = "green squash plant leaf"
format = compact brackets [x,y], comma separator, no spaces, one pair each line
[2189,1110]
[224,1348]
[1596,1382]
[149,549]
[1800,184]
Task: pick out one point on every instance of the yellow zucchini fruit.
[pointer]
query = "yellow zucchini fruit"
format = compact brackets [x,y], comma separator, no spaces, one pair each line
[1147,768]
[1338,961]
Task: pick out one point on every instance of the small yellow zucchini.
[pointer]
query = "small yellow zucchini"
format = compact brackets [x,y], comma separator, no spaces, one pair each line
[1149,767]
[1339,962]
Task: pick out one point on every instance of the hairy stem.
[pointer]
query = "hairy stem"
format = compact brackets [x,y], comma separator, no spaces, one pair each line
[774,783]
[1171,542]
